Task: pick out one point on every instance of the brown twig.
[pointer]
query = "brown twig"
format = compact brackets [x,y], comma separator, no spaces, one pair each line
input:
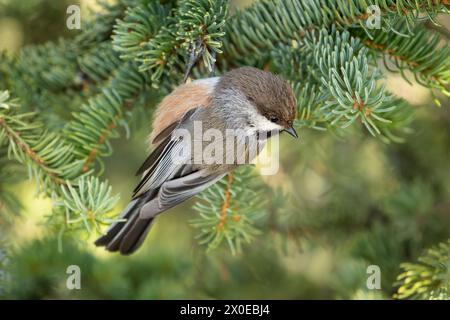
[443,31]
[226,203]
[103,137]
[393,54]
[15,136]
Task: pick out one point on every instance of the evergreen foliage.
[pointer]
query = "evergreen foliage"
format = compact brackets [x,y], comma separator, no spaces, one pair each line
[228,210]
[429,278]
[74,95]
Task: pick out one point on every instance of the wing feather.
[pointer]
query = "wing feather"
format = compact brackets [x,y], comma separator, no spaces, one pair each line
[160,165]
[178,190]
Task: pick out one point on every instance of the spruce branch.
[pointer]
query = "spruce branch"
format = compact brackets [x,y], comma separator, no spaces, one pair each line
[51,162]
[10,174]
[323,47]
[99,28]
[140,24]
[48,158]
[438,28]
[429,278]
[301,17]
[201,28]
[98,64]
[341,84]
[422,54]
[228,210]
[89,204]
[96,122]
[158,36]
[285,20]
[52,65]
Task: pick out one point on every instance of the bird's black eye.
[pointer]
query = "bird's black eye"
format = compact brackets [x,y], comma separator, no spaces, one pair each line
[274,119]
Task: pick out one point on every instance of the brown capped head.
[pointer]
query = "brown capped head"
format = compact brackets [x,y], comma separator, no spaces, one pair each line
[272,96]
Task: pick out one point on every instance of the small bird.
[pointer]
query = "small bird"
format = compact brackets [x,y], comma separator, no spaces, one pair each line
[247,100]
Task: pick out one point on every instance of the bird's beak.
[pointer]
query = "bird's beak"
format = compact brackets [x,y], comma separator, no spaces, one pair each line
[291,131]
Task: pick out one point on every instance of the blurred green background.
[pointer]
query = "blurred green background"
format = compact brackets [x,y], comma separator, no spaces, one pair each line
[339,204]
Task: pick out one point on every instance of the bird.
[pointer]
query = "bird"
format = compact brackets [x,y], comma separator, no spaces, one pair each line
[255,103]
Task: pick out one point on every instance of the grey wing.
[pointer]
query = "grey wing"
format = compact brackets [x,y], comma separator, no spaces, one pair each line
[175,191]
[168,158]
[169,195]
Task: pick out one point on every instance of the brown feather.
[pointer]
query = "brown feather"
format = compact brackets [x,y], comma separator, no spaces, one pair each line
[175,105]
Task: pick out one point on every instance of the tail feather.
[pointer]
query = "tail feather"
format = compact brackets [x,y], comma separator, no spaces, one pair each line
[115,228]
[114,244]
[127,236]
[133,238]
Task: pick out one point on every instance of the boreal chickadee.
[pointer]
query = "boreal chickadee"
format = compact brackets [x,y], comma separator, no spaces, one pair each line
[253,102]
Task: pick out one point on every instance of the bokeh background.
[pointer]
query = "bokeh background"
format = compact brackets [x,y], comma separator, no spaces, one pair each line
[349,201]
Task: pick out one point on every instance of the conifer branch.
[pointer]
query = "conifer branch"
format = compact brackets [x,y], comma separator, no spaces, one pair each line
[429,278]
[10,174]
[324,48]
[228,210]
[53,165]
[424,56]
[290,19]
[15,139]
[31,145]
